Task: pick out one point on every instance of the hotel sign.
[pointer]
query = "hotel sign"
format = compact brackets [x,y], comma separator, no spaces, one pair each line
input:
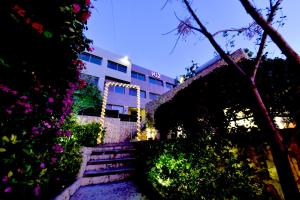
[155,74]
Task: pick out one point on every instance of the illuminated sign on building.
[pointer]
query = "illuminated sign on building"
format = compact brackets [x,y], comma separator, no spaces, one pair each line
[155,74]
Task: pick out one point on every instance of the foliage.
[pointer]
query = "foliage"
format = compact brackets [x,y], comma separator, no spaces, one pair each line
[204,102]
[190,72]
[188,169]
[37,79]
[87,99]
[87,134]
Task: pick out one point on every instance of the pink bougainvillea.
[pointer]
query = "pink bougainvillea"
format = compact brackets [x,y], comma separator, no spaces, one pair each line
[76,8]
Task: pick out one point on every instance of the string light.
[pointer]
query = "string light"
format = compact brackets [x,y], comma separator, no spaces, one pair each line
[104,102]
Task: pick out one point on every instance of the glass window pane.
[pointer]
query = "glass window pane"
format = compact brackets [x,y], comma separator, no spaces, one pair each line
[132,92]
[153,96]
[134,74]
[156,81]
[143,94]
[96,60]
[119,89]
[169,85]
[84,56]
[112,65]
[141,77]
[122,68]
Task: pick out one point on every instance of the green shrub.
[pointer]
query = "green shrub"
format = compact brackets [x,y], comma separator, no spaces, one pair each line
[188,169]
[87,134]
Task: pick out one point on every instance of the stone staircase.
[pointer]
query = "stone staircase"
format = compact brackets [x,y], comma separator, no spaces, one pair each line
[103,164]
[109,163]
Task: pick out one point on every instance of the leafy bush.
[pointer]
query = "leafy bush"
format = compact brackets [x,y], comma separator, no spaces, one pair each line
[37,81]
[186,169]
[87,100]
[87,134]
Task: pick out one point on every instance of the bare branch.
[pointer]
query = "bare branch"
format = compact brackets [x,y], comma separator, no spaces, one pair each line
[211,39]
[240,30]
[189,25]
[165,4]
[263,40]
[274,35]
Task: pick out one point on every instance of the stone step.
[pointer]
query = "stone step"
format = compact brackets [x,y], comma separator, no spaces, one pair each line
[100,151]
[109,171]
[112,146]
[108,161]
[105,179]
[100,164]
[110,156]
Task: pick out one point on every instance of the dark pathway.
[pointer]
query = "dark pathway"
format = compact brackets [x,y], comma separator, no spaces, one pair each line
[125,190]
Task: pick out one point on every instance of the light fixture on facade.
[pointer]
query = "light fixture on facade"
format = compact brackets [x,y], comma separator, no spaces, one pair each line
[125,60]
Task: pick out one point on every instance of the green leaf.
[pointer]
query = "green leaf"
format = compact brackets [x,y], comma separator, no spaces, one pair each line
[5,138]
[10,173]
[2,150]
[48,34]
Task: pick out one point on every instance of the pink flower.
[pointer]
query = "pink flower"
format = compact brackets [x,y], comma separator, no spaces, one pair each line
[91,49]
[24,97]
[53,160]
[46,124]
[38,27]
[4,88]
[28,21]
[5,179]
[58,148]
[14,92]
[35,131]
[42,165]
[87,2]
[8,189]
[49,110]
[19,10]
[8,111]
[50,100]
[82,84]
[85,16]
[67,133]
[37,191]
[76,8]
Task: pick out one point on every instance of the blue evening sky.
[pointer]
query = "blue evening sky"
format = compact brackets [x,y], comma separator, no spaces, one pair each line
[136,28]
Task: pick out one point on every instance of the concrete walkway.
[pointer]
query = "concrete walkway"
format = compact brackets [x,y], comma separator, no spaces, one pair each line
[125,190]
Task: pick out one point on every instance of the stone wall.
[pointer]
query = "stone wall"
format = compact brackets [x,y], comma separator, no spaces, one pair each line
[115,130]
[153,105]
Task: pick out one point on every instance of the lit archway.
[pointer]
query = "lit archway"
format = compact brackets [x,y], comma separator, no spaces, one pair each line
[138,102]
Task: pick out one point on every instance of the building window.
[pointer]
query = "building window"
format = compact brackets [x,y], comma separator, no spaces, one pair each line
[169,85]
[153,96]
[132,92]
[143,94]
[116,66]
[96,60]
[90,58]
[84,56]
[138,76]
[156,81]
[89,79]
[117,89]
[115,107]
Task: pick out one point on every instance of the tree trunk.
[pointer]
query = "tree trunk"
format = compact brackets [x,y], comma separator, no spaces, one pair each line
[279,151]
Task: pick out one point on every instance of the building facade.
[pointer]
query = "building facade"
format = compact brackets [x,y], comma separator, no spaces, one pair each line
[103,66]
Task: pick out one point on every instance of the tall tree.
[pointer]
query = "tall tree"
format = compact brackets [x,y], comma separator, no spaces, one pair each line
[279,150]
